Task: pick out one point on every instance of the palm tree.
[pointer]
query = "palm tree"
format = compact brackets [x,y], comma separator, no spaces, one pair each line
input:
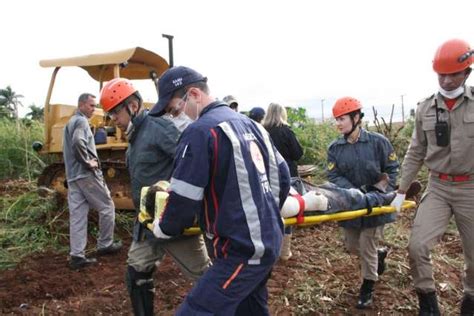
[36,113]
[9,103]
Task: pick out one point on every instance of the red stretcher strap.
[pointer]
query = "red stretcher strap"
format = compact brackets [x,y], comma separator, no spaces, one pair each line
[300,216]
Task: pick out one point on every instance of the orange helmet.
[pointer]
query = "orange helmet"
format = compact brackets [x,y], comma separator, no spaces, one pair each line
[114,92]
[345,105]
[452,56]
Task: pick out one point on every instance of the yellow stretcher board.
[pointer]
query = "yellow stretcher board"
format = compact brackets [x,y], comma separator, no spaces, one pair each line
[339,216]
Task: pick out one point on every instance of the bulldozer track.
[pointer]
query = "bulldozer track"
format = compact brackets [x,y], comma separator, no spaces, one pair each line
[53,181]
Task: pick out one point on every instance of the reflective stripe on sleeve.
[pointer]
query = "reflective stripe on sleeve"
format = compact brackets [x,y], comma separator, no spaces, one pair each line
[187,190]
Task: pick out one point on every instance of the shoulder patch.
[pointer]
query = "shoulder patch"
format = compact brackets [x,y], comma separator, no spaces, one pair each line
[331,166]
[392,157]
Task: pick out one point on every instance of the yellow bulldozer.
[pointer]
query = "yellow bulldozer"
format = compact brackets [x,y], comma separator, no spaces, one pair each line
[135,64]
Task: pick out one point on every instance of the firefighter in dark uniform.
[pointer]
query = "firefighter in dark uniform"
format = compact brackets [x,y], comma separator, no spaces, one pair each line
[228,174]
[443,140]
[150,153]
[357,159]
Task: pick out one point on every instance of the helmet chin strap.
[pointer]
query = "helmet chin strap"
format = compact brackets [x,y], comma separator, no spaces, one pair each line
[354,125]
[140,101]
[132,115]
[129,129]
[130,126]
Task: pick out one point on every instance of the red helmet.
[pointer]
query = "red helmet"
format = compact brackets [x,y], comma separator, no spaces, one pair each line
[345,105]
[452,56]
[114,92]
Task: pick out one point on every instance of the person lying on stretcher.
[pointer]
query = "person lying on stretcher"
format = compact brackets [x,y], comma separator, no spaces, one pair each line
[313,200]
[329,198]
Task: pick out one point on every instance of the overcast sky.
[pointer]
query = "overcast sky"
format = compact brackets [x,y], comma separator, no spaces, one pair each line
[295,53]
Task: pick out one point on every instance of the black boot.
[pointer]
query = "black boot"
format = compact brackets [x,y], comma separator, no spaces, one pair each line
[428,304]
[366,294]
[467,306]
[141,290]
[381,254]
[81,262]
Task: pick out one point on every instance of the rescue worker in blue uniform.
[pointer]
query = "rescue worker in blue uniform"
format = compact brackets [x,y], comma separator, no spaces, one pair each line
[150,153]
[359,158]
[228,174]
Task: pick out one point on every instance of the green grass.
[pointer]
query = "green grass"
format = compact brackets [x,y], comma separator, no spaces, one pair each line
[17,158]
[315,139]
[124,222]
[28,224]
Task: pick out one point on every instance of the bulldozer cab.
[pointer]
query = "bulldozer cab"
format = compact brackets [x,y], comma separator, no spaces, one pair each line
[135,64]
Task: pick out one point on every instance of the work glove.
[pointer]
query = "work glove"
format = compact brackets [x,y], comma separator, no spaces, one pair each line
[398,201]
[157,230]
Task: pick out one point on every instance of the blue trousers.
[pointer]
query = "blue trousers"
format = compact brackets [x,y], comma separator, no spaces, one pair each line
[229,288]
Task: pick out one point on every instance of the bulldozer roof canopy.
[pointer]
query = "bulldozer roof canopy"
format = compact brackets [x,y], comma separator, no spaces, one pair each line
[139,63]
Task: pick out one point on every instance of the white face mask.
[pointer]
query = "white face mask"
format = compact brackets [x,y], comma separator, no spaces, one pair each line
[181,121]
[184,117]
[196,111]
[453,94]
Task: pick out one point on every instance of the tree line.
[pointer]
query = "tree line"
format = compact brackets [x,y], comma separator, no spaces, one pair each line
[10,102]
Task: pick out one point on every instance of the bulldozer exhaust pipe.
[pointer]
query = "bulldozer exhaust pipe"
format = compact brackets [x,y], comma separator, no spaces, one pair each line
[170,48]
[153,75]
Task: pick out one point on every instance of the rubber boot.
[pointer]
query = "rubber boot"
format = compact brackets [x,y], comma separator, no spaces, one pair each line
[366,294]
[381,254]
[467,306]
[428,304]
[141,291]
[285,253]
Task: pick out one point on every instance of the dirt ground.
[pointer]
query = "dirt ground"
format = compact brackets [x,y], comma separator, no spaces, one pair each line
[14,187]
[319,279]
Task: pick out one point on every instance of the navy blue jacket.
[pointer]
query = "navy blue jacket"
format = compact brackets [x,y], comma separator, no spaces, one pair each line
[150,155]
[362,163]
[229,175]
